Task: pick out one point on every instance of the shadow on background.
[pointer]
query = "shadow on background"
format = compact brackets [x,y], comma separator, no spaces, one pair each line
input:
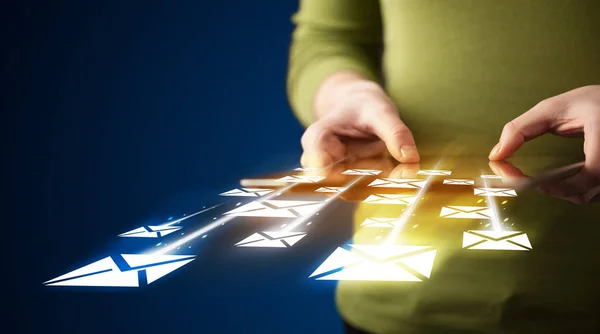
[120,112]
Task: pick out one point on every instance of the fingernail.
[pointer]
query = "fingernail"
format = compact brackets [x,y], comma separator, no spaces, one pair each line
[409,152]
[496,149]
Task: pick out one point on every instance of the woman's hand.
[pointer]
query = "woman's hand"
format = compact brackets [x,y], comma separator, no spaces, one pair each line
[355,117]
[573,114]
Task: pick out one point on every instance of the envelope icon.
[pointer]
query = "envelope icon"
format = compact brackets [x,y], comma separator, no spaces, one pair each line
[459,182]
[500,192]
[491,177]
[247,192]
[496,240]
[276,208]
[150,231]
[361,172]
[401,199]
[330,189]
[381,222]
[466,212]
[130,273]
[398,183]
[271,239]
[378,263]
[434,172]
[301,179]
[301,169]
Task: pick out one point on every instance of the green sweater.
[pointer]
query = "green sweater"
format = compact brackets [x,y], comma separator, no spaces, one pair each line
[458,70]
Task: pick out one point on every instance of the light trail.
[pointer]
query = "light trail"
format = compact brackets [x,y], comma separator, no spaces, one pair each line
[491,204]
[219,222]
[190,216]
[301,220]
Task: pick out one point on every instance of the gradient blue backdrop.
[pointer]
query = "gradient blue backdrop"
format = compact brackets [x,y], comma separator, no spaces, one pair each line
[119,109]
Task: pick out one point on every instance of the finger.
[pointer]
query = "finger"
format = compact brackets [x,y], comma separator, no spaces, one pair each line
[405,171]
[362,149]
[593,195]
[575,185]
[384,122]
[321,146]
[591,147]
[534,123]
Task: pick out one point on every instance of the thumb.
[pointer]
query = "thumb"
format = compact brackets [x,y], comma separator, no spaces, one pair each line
[387,125]
[529,125]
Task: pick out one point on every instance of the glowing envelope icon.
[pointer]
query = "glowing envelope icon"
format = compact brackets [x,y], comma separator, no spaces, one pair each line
[301,179]
[330,189]
[496,240]
[466,212]
[131,273]
[276,208]
[150,232]
[459,182]
[377,263]
[361,172]
[401,199]
[435,172]
[499,192]
[272,239]
[398,183]
[247,192]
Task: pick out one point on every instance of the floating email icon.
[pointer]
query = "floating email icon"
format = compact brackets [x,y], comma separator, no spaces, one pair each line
[434,172]
[330,189]
[500,192]
[150,231]
[491,176]
[402,199]
[361,172]
[496,240]
[459,182]
[247,192]
[378,263]
[276,208]
[466,212]
[271,239]
[106,272]
[398,183]
[301,179]
[381,222]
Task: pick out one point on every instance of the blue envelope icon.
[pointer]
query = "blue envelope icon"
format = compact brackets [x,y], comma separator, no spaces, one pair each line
[129,271]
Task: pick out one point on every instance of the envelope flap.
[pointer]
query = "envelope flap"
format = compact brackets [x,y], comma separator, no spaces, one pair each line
[106,264]
[281,234]
[496,235]
[388,253]
[468,209]
[160,228]
[145,260]
[278,204]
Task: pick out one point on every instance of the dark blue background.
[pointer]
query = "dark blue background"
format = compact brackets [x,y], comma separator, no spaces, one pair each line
[118,110]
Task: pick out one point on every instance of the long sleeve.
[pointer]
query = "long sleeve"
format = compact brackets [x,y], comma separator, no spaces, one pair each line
[331,36]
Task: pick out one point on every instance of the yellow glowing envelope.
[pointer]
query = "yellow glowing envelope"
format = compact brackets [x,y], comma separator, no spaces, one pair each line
[271,239]
[496,240]
[378,263]
[301,179]
[398,183]
[381,222]
[459,182]
[500,192]
[329,189]
[247,192]
[361,172]
[276,208]
[466,212]
[434,172]
[402,199]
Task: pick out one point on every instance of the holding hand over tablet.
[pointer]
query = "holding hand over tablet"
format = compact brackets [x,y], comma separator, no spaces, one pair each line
[355,117]
[573,114]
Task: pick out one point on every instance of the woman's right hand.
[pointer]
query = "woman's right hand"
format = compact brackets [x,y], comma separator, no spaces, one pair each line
[355,117]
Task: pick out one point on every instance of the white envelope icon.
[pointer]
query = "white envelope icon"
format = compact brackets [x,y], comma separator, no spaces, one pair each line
[500,192]
[381,222]
[434,172]
[459,182]
[496,240]
[378,263]
[106,272]
[247,192]
[402,199]
[271,239]
[466,212]
[276,208]
[361,172]
[301,169]
[330,189]
[491,176]
[301,179]
[150,231]
[398,183]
